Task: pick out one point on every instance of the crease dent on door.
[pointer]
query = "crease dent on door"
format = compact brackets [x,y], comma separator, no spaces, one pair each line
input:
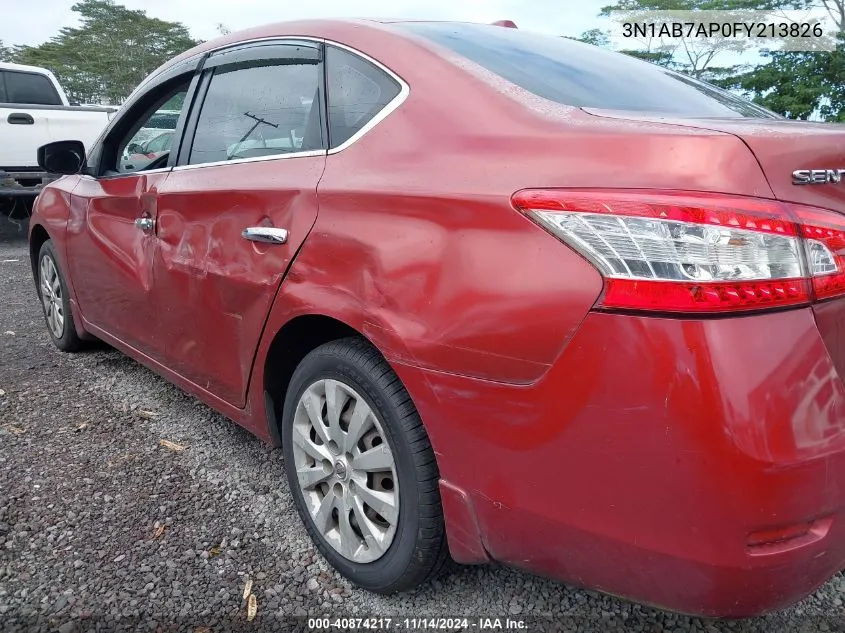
[115,257]
[217,287]
[115,233]
[254,158]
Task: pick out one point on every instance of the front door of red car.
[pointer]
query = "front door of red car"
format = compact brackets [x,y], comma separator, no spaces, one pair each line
[112,229]
[111,252]
[237,207]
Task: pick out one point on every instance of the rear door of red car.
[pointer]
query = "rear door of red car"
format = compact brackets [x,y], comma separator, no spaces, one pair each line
[111,230]
[237,206]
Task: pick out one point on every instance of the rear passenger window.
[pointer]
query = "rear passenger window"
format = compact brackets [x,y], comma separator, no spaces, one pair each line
[29,88]
[357,92]
[258,111]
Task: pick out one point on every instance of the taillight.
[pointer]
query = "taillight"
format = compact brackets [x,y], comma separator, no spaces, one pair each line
[685,252]
[823,233]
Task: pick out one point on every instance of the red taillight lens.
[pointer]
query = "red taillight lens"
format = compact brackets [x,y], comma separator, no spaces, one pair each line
[702,297]
[680,252]
[823,234]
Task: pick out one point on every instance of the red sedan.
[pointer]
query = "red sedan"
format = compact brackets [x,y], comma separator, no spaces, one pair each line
[499,296]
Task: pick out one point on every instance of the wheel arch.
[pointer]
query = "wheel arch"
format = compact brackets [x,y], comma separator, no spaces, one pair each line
[301,334]
[291,343]
[304,333]
[37,236]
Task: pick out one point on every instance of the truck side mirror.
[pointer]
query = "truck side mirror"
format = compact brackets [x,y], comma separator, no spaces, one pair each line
[62,157]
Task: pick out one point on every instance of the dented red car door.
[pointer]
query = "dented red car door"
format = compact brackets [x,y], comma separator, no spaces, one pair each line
[217,286]
[111,246]
[237,207]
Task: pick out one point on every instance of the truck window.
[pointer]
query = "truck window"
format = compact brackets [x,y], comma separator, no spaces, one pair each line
[29,88]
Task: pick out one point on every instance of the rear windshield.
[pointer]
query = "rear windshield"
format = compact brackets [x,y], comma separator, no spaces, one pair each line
[584,76]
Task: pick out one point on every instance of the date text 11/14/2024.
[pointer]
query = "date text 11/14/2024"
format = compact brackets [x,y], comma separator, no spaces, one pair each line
[417,624]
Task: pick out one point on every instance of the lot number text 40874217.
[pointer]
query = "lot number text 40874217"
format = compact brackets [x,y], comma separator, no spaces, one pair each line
[417,624]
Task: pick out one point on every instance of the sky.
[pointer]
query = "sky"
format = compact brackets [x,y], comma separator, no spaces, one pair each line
[37,21]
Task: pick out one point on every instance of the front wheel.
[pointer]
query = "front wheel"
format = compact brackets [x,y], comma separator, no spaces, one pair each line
[55,300]
[361,468]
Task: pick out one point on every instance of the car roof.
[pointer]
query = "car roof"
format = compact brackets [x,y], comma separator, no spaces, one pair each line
[372,37]
[333,29]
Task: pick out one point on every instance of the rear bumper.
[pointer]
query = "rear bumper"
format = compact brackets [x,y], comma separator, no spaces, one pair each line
[696,465]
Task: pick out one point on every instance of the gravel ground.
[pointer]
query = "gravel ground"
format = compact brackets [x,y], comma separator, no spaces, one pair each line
[103,528]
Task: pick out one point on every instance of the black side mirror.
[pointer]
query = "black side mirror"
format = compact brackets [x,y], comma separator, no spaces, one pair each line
[62,157]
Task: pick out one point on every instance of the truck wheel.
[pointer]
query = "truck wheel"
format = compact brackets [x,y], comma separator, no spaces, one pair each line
[361,468]
[55,300]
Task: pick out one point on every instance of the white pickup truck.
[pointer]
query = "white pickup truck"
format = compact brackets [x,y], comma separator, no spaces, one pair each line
[34,110]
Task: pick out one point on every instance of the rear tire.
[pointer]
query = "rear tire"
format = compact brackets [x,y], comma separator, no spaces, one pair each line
[351,438]
[55,300]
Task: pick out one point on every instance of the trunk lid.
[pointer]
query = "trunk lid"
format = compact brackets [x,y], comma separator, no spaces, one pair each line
[782,147]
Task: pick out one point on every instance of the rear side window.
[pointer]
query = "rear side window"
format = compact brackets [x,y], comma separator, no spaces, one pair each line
[261,110]
[29,88]
[581,75]
[357,92]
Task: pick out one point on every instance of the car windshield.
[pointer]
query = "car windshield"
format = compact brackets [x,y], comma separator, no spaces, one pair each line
[577,74]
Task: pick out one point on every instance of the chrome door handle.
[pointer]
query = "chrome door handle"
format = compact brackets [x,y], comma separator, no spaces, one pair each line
[146,224]
[266,234]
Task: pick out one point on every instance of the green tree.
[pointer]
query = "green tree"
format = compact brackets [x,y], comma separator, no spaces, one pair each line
[694,56]
[5,52]
[795,84]
[800,84]
[661,57]
[111,51]
[599,37]
[596,37]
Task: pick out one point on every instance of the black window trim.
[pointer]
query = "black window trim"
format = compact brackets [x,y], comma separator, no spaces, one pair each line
[56,95]
[186,136]
[292,49]
[276,48]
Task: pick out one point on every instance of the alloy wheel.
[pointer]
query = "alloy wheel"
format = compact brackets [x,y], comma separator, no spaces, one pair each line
[51,296]
[346,470]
